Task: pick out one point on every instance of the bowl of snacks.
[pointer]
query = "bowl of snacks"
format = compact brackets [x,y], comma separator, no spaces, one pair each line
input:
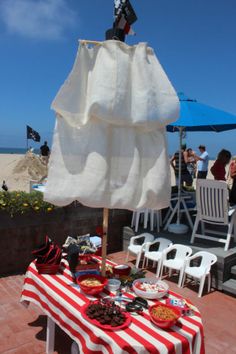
[91,284]
[164,316]
[150,288]
[121,269]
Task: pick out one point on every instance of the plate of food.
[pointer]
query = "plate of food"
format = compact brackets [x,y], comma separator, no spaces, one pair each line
[107,316]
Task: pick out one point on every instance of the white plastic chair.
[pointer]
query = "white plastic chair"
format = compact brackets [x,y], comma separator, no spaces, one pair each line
[137,215]
[156,256]
[201,271]
[138,249]
[182,253]
[213,208]
[147,215]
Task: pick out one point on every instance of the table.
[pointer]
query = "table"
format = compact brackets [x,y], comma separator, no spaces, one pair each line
[61,300]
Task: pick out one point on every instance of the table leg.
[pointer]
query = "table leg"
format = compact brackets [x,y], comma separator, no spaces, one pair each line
[74,348]
[50,336]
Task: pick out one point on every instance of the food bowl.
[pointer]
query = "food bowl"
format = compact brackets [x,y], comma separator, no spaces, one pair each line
[47,268]
[113,284]
[121,269]
[91,284]
[150,288]
[164,316]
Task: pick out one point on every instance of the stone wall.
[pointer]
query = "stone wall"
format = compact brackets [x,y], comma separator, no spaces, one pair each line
[21,234]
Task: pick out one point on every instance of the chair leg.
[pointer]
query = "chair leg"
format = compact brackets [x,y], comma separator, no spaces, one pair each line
[181,274]
[146,217]
[158,269]
[137,220]
[138,260]
[158,220]
[194,229]
[202,282]
[183,280]
[161,270]
[209,282]
[133,219]
[228,237]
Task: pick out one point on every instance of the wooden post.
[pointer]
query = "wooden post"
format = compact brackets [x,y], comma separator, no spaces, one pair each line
[104,239]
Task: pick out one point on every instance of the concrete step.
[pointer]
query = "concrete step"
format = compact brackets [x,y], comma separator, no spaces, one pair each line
[229,286]
[233,270]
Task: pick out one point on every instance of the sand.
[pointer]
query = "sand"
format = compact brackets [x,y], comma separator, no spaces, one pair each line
[19,170]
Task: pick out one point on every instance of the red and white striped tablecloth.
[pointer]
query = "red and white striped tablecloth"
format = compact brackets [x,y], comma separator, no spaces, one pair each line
[61,299]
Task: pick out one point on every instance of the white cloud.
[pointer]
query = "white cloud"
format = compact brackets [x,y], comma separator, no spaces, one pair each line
[41,19]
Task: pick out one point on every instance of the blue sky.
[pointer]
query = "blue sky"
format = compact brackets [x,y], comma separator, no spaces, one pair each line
[195,41]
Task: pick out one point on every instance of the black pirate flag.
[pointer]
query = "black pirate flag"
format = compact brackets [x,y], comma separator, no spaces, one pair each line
[32,134]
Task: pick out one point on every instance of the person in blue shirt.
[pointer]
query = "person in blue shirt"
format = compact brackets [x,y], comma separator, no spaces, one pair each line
[202,162]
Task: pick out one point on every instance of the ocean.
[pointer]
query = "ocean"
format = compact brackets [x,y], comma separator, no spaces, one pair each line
[12,150]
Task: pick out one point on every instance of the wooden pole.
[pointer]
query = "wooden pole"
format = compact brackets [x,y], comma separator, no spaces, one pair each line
[87,41]
[104,239]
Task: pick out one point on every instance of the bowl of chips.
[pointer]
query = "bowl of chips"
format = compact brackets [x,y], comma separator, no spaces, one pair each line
[164,316]
[91,284]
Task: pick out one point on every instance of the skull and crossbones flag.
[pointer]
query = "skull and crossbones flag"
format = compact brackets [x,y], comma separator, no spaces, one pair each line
[32,134]
[124,15]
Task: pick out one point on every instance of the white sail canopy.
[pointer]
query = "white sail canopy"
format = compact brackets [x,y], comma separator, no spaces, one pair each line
[109,146]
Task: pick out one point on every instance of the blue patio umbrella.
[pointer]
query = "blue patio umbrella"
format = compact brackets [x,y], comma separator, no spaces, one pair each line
[195,116]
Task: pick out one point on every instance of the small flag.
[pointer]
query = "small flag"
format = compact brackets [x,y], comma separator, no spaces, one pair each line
[124,15]
[32,134]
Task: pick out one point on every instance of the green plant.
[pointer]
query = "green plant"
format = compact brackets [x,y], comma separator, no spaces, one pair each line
[18,202]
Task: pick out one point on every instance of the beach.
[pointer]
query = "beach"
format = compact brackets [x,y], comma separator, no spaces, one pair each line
[18,170]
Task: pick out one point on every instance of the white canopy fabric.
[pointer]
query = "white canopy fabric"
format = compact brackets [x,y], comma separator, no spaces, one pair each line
[109,146]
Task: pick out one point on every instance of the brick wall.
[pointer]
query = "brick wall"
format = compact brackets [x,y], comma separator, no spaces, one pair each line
[21,234]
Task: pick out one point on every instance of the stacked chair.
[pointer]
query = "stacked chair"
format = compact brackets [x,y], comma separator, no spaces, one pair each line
[153,217]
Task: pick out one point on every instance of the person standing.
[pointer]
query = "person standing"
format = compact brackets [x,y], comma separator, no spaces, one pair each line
[218,168]
[185,175]
[45,152]
[232,172]
[191,163]
[202,162]
[4,186]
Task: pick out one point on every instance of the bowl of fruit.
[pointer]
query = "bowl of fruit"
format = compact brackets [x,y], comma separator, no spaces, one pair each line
[150,288]
[164,316]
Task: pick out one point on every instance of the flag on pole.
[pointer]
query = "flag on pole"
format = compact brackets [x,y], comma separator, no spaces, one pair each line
[124,15]
[32,134]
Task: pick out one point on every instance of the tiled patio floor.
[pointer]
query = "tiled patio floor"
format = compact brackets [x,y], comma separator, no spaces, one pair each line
[23,331]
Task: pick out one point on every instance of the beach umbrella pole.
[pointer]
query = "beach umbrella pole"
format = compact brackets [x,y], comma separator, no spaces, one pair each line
[179,228]
[104,239]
